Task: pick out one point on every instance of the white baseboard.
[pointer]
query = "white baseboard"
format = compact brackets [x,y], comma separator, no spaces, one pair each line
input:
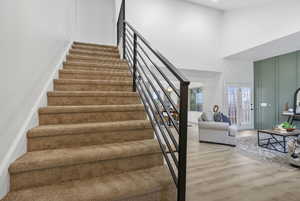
[19,146]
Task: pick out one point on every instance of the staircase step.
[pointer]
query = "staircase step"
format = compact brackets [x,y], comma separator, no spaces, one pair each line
[96,66]
[96,59]
[94,53]
[61,165]
[95,48]
[92,75]
[88,114]
[153,184]
[91,85]
[73,98]
[76,135]
[95,45]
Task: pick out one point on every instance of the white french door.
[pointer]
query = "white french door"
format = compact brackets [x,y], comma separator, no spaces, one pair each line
[239,105]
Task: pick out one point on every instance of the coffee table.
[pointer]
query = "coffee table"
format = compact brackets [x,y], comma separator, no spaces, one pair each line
[275,140]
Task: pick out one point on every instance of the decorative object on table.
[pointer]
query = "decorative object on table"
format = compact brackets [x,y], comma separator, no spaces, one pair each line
[287,126]
[286,107]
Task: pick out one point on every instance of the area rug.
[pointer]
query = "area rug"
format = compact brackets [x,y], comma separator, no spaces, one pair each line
[248,145]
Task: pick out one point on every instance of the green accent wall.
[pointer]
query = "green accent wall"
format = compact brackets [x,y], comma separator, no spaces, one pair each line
[275,82]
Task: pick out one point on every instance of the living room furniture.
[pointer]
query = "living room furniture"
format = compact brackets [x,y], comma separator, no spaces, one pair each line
[275,140]
[216,132]
[291,116]
[294,152]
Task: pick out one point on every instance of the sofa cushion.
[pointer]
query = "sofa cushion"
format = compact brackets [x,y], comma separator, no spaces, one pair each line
[213,125]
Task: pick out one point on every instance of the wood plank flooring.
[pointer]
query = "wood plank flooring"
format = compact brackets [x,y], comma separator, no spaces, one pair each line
[219,173]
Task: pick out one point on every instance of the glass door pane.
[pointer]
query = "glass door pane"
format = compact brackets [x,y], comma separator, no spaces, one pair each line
[232,104]
[245,109]
[238,106]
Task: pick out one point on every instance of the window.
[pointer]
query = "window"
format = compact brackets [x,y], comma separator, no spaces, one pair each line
[238,105]
[196,99]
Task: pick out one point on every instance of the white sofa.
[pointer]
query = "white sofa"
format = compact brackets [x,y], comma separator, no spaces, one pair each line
[216,132]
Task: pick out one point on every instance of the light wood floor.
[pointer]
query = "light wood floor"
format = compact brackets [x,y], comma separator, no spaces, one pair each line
[219,173]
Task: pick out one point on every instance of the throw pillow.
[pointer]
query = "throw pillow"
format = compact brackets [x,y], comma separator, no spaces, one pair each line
[204,117]
[226,119]
[217,117]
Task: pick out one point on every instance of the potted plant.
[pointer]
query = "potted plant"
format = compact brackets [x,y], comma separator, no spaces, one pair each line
[288,127]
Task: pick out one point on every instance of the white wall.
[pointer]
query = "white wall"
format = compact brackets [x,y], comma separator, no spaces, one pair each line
[250,27]
[96,21]
[34,35]
[187,34]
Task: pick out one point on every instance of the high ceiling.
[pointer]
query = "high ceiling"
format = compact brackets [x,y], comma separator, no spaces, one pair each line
[231,4]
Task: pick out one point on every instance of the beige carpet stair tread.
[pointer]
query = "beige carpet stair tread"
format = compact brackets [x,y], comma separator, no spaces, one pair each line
[92,82]
[73,129]
[111,188]
[66,157]
[86,72]
[90,108]
[104,59]
[107,68]
[92,47]
[94,53]
[77,47]
[91,94]
[121,66]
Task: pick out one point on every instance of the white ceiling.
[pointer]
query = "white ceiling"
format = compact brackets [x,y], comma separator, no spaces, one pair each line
[230,4]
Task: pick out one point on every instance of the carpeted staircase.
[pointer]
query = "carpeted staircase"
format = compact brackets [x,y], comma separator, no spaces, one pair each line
[94,142]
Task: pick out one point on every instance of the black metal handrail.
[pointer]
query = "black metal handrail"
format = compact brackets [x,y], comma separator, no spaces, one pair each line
[152,82]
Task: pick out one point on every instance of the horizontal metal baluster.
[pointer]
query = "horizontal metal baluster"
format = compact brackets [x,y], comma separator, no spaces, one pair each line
[174,176]
[163,133]
[159,83]
[170,133]
[165,107]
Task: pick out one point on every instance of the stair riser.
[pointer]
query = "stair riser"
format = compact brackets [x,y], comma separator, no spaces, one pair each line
[98,69]
[73,118]
[69,100]
[98,61]
[102,49]
[83,171]
[88,139]
[81,76]
[90,87]
[94,54]
[94,45]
